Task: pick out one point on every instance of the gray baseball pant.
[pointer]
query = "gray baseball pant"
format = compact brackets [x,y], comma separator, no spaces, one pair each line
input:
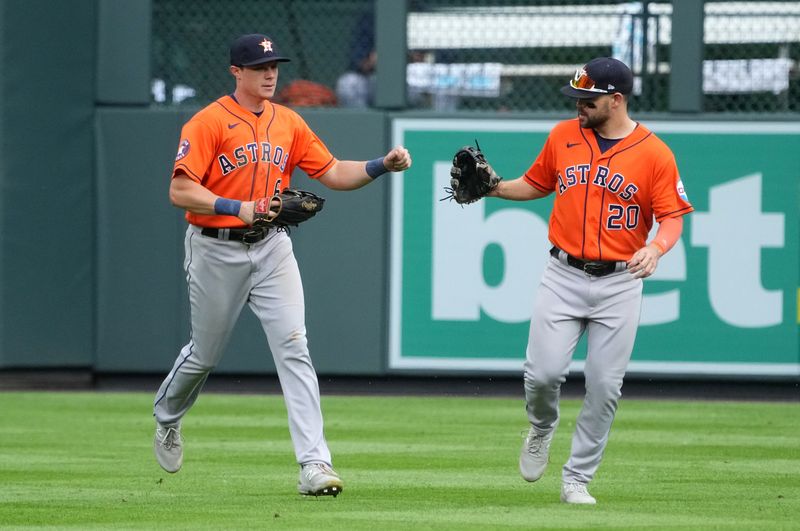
[568,304]
[222,277]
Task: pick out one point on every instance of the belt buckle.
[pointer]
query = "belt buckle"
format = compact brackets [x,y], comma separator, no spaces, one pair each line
[254,235]
[594,269]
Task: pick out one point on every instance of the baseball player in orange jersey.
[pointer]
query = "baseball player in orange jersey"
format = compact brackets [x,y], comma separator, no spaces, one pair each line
[611,177]
[233,152]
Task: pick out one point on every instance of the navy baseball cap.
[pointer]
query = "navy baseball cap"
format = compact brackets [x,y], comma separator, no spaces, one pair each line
[602,75]
[254,49]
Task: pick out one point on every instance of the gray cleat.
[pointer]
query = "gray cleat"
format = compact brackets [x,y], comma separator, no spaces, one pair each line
[319,479]
[535,453]
[576,493]
[168,447]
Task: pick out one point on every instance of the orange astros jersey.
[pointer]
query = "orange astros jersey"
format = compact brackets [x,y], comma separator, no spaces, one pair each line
[605,202]
[239,155]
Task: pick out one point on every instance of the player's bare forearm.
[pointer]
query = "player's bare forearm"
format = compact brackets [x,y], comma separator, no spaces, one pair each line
[346,175]
[517,190]
[190,195]
[351,174]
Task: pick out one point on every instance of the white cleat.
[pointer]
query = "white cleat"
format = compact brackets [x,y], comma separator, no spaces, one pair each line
[576,493]
[535,454]
[319,479]
[168,447]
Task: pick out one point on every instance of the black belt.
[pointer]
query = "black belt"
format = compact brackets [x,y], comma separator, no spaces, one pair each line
[595,268]
[248,235]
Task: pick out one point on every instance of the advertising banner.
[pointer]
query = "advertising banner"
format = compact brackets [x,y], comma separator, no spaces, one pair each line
[724,300]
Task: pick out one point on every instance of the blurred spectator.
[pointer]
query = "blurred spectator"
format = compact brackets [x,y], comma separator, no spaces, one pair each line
[304,93]
[356,87]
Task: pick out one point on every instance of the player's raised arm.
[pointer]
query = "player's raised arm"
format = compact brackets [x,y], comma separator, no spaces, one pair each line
[517,190]
[473,178]
[352,174]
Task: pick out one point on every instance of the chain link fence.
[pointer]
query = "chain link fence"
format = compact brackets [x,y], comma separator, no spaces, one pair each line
[480,55]
[191,40]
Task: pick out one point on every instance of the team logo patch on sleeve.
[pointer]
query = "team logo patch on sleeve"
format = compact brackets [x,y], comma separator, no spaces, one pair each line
[682,191]
[183,149]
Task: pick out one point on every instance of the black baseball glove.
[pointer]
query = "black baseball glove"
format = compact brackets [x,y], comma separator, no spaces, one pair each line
[290,207]
[471,177]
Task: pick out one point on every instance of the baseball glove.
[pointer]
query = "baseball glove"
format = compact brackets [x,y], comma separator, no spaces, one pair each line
[471,177]
[290,207]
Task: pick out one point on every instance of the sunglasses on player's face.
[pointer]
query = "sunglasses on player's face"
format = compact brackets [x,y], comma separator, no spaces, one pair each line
[589,103]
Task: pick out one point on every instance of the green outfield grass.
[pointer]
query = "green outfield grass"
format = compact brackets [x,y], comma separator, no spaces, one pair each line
[84,461]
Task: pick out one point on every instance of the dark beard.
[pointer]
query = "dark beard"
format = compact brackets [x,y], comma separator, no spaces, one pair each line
[594,122]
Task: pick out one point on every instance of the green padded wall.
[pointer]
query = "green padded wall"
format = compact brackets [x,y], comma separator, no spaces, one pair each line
[46,206]
[142,302]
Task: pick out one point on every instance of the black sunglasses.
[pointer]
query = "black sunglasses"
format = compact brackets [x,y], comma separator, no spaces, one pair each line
[590,103]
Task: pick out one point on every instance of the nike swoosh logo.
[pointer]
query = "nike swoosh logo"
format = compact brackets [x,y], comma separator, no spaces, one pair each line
[231,126]
[569,145]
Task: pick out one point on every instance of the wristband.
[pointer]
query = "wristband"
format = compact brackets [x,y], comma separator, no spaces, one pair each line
[375,168]
[227,207]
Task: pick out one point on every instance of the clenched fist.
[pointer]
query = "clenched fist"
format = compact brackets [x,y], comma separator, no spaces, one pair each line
[398,159]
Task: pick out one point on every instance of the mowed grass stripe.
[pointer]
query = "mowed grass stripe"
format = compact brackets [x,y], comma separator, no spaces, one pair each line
[84,461]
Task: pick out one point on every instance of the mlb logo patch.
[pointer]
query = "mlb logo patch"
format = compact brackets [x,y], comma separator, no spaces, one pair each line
[681,191]
[183,149]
